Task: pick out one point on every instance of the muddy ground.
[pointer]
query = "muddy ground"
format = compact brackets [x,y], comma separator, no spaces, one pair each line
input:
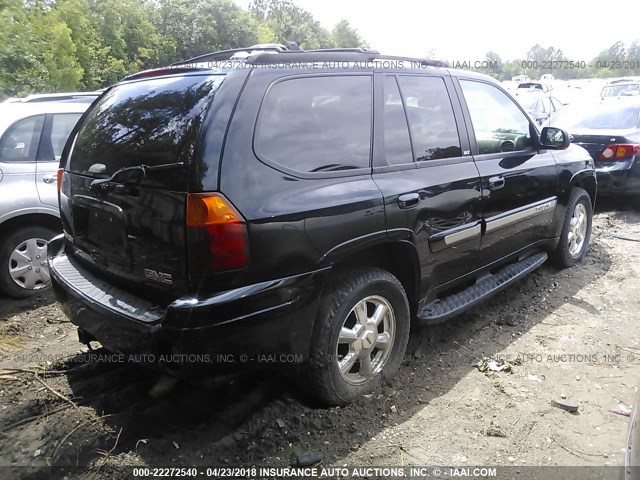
[571,335]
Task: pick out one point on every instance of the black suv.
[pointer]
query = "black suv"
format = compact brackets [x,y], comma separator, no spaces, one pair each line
[302,208]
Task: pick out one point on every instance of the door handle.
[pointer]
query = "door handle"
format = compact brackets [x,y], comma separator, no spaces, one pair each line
[496,183]
[49,179]
[408,200]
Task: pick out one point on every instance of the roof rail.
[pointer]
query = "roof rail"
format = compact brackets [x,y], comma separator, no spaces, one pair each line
[263,54]
[227,54]
[355,50]
[290,56]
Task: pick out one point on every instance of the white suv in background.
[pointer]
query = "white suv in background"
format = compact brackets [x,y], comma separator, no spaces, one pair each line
[32,136]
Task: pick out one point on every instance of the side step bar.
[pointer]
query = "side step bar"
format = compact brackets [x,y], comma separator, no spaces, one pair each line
[443,309]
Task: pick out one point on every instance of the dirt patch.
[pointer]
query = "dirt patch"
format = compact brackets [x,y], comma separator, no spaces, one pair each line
[571,335]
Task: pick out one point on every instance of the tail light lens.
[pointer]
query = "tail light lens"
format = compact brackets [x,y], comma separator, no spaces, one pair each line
[59,178]
[619,150]
[224,230]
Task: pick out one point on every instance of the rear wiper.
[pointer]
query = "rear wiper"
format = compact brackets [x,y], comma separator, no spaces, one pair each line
[105,184]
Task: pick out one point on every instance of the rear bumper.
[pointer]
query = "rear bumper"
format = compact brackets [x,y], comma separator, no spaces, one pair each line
[265,325]
[619,178]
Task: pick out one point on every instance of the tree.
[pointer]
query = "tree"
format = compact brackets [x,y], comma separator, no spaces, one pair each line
[289,22]
[343,35]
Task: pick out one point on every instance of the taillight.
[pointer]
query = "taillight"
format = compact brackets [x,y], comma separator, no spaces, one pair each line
[619,150]
[59,178]
[225,230]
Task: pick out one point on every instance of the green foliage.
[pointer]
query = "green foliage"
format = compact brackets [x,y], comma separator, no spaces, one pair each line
[345,36]
[64,45]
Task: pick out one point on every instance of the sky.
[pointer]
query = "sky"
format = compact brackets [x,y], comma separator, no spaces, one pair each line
[463,30]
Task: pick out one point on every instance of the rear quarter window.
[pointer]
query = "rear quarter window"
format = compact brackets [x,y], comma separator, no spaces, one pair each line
[150,122]
[316,124]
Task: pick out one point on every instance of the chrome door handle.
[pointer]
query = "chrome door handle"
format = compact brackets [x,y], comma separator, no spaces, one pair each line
[408,200]
[49,179]
[496,183]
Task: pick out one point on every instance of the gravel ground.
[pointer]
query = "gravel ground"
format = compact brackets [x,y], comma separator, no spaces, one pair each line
[571,336]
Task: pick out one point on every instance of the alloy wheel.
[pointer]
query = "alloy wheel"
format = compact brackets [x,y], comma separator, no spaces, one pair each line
[366,340]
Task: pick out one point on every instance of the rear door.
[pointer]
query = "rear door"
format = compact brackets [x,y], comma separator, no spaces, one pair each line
[430,184]
[519,183]
[128,221]
[56,131]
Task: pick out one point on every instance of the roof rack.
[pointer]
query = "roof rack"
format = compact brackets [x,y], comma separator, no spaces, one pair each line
[227,54]
[354,50]
[290,56]
[263,54]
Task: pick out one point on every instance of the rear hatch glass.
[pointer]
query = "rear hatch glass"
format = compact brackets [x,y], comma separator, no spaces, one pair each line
[150,122]
[127,221]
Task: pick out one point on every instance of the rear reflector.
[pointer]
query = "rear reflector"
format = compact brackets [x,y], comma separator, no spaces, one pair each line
[225,227]
[619,150]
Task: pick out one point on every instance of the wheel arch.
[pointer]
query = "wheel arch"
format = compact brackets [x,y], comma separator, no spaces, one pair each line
[586,179]
[37,219]
[399,258]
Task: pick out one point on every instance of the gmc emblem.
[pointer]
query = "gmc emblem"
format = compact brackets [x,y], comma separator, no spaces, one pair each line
[158,276]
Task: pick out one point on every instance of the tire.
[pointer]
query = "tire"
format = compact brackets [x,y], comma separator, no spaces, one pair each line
[25,247]
[382,295]
[571,251]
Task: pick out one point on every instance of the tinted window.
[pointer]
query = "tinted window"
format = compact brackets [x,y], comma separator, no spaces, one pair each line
[608,115]
[433,127]
[499,125]
[397,144]
[61,127]
[150,122]
[20,141]
[316,124]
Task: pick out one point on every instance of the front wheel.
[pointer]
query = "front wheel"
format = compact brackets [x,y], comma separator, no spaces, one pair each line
[576,230]
[360,336]
[24,269]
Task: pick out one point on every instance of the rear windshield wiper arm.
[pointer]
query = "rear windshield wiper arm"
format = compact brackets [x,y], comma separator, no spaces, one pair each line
[103,184]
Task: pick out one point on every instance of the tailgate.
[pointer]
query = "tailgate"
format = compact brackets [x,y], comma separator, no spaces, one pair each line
[125,182]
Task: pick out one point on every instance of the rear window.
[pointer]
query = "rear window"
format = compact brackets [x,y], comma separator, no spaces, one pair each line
[621,90]
[528,102]
[609,115]
[151,122]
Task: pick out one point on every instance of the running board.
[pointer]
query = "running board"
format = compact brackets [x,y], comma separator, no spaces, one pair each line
[443,309]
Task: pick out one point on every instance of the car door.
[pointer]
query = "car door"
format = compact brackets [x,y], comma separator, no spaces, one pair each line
[431,186]
[18,146]
[519,182]
[57,127]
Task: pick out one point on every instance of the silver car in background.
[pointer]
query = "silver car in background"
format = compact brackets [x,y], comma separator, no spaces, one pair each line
[32,136]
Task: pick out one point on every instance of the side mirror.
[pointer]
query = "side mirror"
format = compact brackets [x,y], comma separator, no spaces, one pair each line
[554,138]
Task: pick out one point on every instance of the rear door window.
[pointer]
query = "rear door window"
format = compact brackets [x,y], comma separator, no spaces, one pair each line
[434,133]
[55,134]
[316,124]
[149,122]
[61,126]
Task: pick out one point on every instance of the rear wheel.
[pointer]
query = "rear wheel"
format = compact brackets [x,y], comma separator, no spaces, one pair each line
[24,269]
[360,336]
[576,230]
